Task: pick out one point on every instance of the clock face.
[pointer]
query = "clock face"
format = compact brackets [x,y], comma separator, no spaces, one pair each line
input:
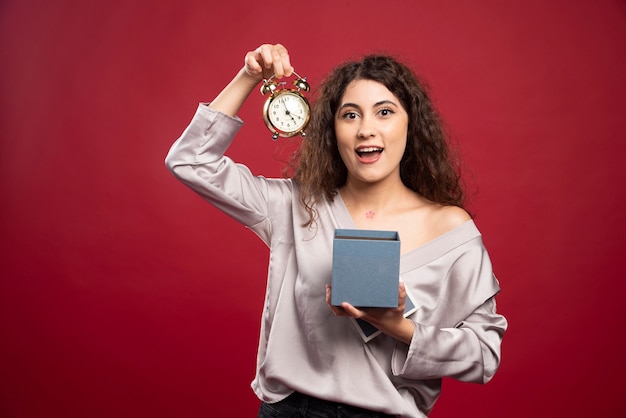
[287,112]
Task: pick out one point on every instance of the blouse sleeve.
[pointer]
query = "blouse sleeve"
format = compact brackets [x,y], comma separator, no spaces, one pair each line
[197,159]
[461,338]
[469,352]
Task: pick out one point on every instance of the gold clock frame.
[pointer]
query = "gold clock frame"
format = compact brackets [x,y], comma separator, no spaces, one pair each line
[271,87]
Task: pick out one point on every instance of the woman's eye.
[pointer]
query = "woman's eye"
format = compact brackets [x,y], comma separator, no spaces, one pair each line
[385,112]
[349,115]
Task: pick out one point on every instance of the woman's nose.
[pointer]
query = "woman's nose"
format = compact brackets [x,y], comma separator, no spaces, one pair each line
[367,129]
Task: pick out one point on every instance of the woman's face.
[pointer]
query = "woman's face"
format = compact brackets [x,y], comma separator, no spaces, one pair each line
[371,128]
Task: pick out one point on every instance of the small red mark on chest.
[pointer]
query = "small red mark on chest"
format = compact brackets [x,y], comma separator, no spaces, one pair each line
[370,214]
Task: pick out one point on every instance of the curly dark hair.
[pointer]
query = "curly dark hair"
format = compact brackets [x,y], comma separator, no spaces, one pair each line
[427,166]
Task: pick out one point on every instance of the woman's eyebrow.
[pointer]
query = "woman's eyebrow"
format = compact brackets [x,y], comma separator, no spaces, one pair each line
[348,104]
[385,102]
[380,103]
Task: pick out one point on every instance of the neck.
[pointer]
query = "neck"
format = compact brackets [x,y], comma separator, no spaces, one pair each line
[373,197]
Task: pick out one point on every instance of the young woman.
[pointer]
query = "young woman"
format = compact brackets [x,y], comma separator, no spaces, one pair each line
[375,157]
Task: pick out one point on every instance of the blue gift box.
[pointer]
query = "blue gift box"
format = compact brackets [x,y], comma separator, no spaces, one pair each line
[366,268]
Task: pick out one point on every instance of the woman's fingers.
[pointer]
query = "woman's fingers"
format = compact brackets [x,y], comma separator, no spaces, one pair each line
[268,60]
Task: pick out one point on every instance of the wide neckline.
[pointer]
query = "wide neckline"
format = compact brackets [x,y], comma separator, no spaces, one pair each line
[422,254]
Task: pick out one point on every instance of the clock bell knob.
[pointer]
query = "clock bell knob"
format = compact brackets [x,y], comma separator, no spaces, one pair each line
[301,84]
[268,87]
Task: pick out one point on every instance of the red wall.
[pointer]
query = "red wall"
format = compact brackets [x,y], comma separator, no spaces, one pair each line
[123,294]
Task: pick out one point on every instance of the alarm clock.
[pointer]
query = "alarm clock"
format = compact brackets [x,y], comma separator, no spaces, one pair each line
[286,112]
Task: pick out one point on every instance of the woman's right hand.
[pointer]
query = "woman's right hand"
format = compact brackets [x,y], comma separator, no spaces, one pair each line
[268,60]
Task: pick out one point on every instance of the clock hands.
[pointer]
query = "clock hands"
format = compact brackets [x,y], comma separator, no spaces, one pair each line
[296,115]
[289,113]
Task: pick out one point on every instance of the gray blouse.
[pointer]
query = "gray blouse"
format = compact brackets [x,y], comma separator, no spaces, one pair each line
[303,346]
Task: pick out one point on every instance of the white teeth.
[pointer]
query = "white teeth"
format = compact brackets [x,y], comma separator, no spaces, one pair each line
[370,149]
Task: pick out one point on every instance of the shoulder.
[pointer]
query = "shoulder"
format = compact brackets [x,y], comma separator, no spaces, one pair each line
[447,218]
[453,215]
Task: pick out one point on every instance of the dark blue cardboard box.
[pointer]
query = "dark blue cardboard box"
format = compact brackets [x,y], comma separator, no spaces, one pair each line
[366,268]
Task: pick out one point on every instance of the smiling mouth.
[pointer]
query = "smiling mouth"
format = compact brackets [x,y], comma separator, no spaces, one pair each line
[369,151]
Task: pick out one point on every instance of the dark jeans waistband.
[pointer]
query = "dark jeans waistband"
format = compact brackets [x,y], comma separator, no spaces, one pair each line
[301,405]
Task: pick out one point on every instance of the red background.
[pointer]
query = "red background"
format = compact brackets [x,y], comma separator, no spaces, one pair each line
[122,294]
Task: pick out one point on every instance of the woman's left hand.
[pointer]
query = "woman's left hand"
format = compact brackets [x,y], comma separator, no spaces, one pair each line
[391,321]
